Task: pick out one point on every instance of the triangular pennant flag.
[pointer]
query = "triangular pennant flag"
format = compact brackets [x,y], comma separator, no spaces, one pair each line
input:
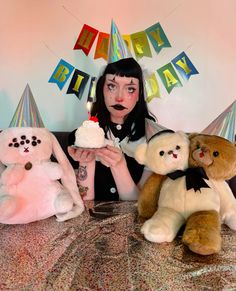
[101,50]
[141,45]
[78,83]
[92,90]
[169,77]
[118,49]
[184,66]
[224,124]
[157,37]
[86,39]
[27,113]
[151,86]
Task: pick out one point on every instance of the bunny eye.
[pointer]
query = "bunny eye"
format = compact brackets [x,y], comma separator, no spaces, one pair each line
[161,153]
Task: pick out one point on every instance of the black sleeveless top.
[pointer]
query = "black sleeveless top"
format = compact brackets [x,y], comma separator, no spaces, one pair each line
[105,187]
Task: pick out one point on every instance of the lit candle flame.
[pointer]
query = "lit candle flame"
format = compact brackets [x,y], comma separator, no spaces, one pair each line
[89,105]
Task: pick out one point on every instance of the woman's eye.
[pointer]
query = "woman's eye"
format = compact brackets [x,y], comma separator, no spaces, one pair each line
[111,87]
[131,89]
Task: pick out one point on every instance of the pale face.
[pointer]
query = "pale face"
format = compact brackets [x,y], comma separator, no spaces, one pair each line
[120,95]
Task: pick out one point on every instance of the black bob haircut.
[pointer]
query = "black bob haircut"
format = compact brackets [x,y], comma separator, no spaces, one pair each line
[134,124]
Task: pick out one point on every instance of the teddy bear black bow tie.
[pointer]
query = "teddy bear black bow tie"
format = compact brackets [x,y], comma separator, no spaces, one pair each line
[194,178]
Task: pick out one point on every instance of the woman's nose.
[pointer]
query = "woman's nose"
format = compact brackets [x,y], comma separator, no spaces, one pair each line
[119,96]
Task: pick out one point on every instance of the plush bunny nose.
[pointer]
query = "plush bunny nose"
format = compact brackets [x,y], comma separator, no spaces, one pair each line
[26,150]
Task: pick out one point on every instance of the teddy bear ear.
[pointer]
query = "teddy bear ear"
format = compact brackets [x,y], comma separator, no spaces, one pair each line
[192,135]
[140,153]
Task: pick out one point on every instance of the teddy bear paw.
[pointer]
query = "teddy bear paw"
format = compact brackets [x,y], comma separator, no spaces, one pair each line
[202,242]
[156,233]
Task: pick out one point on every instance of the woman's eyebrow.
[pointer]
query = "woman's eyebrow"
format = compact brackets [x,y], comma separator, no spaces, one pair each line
[112,80]
[132,83]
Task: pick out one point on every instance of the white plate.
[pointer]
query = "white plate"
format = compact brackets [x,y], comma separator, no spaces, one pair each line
[82,148]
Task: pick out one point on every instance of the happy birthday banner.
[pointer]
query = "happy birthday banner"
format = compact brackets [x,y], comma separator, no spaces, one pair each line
[139,40]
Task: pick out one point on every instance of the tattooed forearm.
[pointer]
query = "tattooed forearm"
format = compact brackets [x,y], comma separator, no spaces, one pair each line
[82,173]
[83,190]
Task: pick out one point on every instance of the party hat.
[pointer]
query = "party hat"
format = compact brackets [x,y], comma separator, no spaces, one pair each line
[224,124]
[117,47]
[27,114]
[152,128]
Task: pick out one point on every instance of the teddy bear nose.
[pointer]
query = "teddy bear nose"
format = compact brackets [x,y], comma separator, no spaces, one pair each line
[204,149]
[170,152]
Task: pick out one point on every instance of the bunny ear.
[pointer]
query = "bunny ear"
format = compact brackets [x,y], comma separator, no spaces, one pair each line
[68,179]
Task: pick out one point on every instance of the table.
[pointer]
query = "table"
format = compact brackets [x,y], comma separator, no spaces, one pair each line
[103,249]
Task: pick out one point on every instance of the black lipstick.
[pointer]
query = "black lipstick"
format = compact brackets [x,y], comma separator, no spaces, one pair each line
[118,107]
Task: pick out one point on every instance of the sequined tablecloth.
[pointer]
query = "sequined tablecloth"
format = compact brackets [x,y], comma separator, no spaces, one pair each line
[103,249]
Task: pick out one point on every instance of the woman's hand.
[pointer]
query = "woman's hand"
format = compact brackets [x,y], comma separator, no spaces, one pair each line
[81,155]
[110,156]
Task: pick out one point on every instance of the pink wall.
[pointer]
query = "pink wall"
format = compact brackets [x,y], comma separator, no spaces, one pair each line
[35,35]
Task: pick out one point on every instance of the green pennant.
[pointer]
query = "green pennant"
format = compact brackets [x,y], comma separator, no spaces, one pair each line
[169,77]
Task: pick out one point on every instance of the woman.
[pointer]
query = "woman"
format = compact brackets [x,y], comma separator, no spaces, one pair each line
[108,173]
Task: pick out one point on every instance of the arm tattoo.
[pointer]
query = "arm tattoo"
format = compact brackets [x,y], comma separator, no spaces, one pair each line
[82,173]
[83,190]
[81,176]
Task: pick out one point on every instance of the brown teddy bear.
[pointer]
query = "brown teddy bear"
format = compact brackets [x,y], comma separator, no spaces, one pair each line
[191,190]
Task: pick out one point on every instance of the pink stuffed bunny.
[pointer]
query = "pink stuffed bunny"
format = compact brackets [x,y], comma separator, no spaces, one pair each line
[29,185]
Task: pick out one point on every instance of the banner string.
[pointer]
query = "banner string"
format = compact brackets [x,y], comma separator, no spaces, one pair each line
[68,11]
[50,50]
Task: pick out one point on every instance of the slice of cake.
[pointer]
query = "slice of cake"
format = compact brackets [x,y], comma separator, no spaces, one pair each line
[90,134]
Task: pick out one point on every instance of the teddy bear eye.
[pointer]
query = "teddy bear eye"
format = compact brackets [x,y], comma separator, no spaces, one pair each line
[198,146]
[177,147]
[161,153]
[216,153]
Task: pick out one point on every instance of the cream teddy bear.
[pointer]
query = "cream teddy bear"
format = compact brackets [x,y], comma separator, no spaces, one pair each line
[195,196]
[30,189]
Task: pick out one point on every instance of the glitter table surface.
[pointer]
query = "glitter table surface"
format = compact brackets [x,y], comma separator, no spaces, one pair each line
[103,249]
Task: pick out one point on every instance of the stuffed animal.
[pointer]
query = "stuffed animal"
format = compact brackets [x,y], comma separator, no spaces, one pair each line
[30,189]
[194,190]
[145,155]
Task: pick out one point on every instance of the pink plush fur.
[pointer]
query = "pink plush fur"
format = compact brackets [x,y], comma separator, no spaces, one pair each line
[30,189]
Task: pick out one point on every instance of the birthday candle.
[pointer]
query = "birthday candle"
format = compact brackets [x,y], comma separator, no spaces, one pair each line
[89,105]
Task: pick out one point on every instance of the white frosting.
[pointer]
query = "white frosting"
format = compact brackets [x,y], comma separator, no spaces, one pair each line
[89,135]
